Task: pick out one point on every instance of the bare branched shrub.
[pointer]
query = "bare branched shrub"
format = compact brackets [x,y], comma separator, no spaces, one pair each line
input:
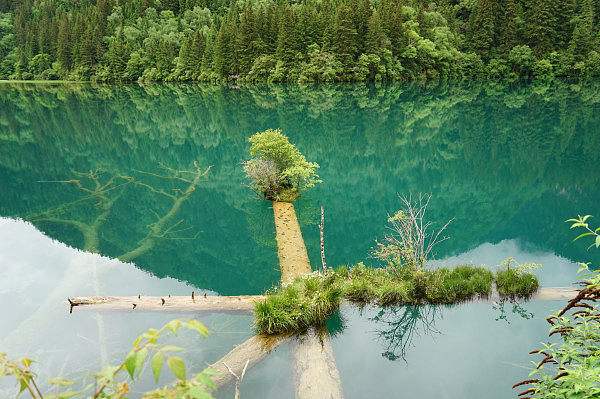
[265,177]
[412,238]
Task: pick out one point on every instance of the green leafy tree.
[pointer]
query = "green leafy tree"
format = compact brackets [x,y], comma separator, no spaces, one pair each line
[278,170]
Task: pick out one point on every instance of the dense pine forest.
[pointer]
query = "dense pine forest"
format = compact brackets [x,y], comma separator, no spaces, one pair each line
[298,40]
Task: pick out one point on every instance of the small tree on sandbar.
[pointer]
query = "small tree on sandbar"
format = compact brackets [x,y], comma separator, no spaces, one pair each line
[277,169]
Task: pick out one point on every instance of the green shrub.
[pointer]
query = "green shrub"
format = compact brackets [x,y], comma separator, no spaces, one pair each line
[278,170]
[516,282]
[542,70]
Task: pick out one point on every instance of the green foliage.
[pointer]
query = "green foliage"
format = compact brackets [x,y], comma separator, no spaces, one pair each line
[288,41]
[309,301]
[575,360]
[278,170]
[515,280]
[112,381]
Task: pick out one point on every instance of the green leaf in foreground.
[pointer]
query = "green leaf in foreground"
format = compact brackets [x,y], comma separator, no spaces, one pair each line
[157,362]
[177,367]
[130,363]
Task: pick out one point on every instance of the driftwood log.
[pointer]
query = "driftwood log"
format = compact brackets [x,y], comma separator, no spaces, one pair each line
[243,356]
[199,303]
[315,371]
[235,304]
[550,294]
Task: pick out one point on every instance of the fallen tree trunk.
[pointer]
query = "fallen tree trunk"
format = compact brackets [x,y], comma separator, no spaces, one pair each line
[316,373]
[544,294]
[212,303]
[555,293]
[293,257]
[241,304]
[251,351]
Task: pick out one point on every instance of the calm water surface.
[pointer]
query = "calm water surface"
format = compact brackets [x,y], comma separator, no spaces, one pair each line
[92,202]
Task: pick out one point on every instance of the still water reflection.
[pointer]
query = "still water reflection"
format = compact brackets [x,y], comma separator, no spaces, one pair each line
[106,190]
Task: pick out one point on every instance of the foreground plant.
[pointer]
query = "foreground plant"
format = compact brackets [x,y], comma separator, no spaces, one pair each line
[112,381]
[278,170]
[571,368]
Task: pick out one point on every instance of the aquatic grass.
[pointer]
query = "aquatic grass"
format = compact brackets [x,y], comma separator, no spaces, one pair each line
[515,283]
[395,292]
[310,300]
[306,302]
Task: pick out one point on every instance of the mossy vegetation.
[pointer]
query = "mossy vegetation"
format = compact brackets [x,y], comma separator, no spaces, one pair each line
[309,301]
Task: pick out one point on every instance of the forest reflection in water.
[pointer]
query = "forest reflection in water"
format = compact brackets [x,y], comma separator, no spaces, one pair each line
[503,162]
[111,170]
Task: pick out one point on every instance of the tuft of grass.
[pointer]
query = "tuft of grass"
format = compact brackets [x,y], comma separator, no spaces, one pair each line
[310,300]
[515,283]
[307,301]
[463,283]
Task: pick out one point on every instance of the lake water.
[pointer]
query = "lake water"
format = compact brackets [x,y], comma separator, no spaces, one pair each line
[92,202]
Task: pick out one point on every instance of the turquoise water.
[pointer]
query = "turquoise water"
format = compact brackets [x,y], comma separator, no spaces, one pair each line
[507,165]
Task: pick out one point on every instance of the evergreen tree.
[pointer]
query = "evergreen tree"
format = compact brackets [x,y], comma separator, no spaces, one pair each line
[63,54]
[361,16]
[247,41]
[542,26]
[509,29]
[286,38]
[346,38]
[390,12]
[117,55]
[583,33]
[483,27]
[376,39]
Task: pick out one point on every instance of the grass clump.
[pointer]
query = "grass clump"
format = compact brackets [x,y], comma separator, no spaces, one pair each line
[306,302]
[309,301]
[448,286]
[513,283]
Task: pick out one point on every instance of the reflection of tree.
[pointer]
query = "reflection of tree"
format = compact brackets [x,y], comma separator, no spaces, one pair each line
[103,191]
[400,326]
[96,187]
[469,145]
[517,309]
[165,228]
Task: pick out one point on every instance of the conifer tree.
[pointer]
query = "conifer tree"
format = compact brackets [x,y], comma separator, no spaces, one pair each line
[376,39]
[390,12]
[286,44]
[483,27]
[583,33]
[346,37]
[509,28]
[542,26]
[247,46]
[63,54]
[362,14]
